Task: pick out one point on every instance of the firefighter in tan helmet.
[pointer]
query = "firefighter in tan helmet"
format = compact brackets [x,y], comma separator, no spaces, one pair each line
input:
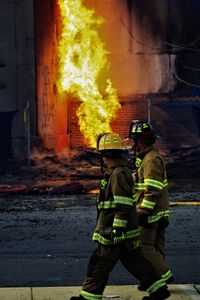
[116,233]
[151,196]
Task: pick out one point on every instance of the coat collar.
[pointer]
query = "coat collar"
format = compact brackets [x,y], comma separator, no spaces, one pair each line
[142,154]
[113,163]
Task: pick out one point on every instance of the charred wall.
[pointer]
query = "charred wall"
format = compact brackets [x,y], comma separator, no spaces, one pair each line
[153,48]
[176,24]
[52,110]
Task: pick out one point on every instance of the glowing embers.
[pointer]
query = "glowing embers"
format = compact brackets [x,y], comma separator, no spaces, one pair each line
[82,57]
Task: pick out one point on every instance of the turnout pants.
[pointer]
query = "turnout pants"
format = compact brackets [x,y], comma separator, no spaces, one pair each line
[153,246]
[104,259]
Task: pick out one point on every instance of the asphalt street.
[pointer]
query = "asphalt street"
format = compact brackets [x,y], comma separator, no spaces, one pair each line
[51,247]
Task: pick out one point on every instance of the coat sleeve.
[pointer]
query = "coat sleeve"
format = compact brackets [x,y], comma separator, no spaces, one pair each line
[122,190]
[154,174]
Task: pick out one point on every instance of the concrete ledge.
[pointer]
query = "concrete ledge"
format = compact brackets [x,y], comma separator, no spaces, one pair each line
[15,294]
[123,292]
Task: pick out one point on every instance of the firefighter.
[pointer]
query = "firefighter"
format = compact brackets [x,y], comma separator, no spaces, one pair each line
[151,196]
[116,233]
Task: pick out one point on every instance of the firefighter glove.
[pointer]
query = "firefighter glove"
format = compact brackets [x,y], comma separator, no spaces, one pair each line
[117,236]
[164,222]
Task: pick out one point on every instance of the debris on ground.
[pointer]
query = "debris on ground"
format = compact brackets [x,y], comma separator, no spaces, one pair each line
[78,172]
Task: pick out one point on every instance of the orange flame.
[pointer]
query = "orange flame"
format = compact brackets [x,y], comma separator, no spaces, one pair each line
[82,56]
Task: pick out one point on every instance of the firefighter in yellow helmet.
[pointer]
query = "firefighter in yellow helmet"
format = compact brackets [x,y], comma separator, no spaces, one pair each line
[151,196]
[116,233]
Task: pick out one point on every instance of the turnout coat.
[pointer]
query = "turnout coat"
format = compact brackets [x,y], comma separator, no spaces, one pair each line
[116,203]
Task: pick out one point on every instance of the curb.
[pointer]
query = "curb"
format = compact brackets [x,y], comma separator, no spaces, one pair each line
[123,292]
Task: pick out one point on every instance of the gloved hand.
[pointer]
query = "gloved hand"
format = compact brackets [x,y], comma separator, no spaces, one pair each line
[164,222]
[143,220]
[118,236]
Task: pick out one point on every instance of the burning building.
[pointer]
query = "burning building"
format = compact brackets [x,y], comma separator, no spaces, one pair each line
[72,69]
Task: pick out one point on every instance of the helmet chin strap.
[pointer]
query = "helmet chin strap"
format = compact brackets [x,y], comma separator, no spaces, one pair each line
[135,146]
[102,164]
[134,149]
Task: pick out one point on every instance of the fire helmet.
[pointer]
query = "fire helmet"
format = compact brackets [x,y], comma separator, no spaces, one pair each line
[141,130]
[109,142]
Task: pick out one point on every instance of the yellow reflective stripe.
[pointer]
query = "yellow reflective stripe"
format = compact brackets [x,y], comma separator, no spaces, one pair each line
[106,205]
[152,219]
[139,186]
[134,198]
[166,213]
[134,129]
[150,182]
[90,296]
[117,200]
[165,183]
[138,162]
[148,204]
[102,240]
[154,183]
[107,242]
[116,139]
[133,233]
[103,184]
[123,200]
[167,275]
[119,222]
[136,243]
[155,218]
[156,285]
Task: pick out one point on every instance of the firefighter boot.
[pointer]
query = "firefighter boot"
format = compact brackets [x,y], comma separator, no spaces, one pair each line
[143,287]
[77,298]
[161,294]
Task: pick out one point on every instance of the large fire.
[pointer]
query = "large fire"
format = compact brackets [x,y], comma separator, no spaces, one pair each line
[82,57]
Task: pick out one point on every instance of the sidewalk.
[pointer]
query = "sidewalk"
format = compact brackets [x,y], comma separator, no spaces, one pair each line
[124,292]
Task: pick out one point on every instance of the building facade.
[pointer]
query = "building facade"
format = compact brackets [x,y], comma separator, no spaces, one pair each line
[153,56]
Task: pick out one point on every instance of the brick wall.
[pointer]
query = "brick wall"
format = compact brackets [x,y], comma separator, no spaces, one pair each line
[172,119]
